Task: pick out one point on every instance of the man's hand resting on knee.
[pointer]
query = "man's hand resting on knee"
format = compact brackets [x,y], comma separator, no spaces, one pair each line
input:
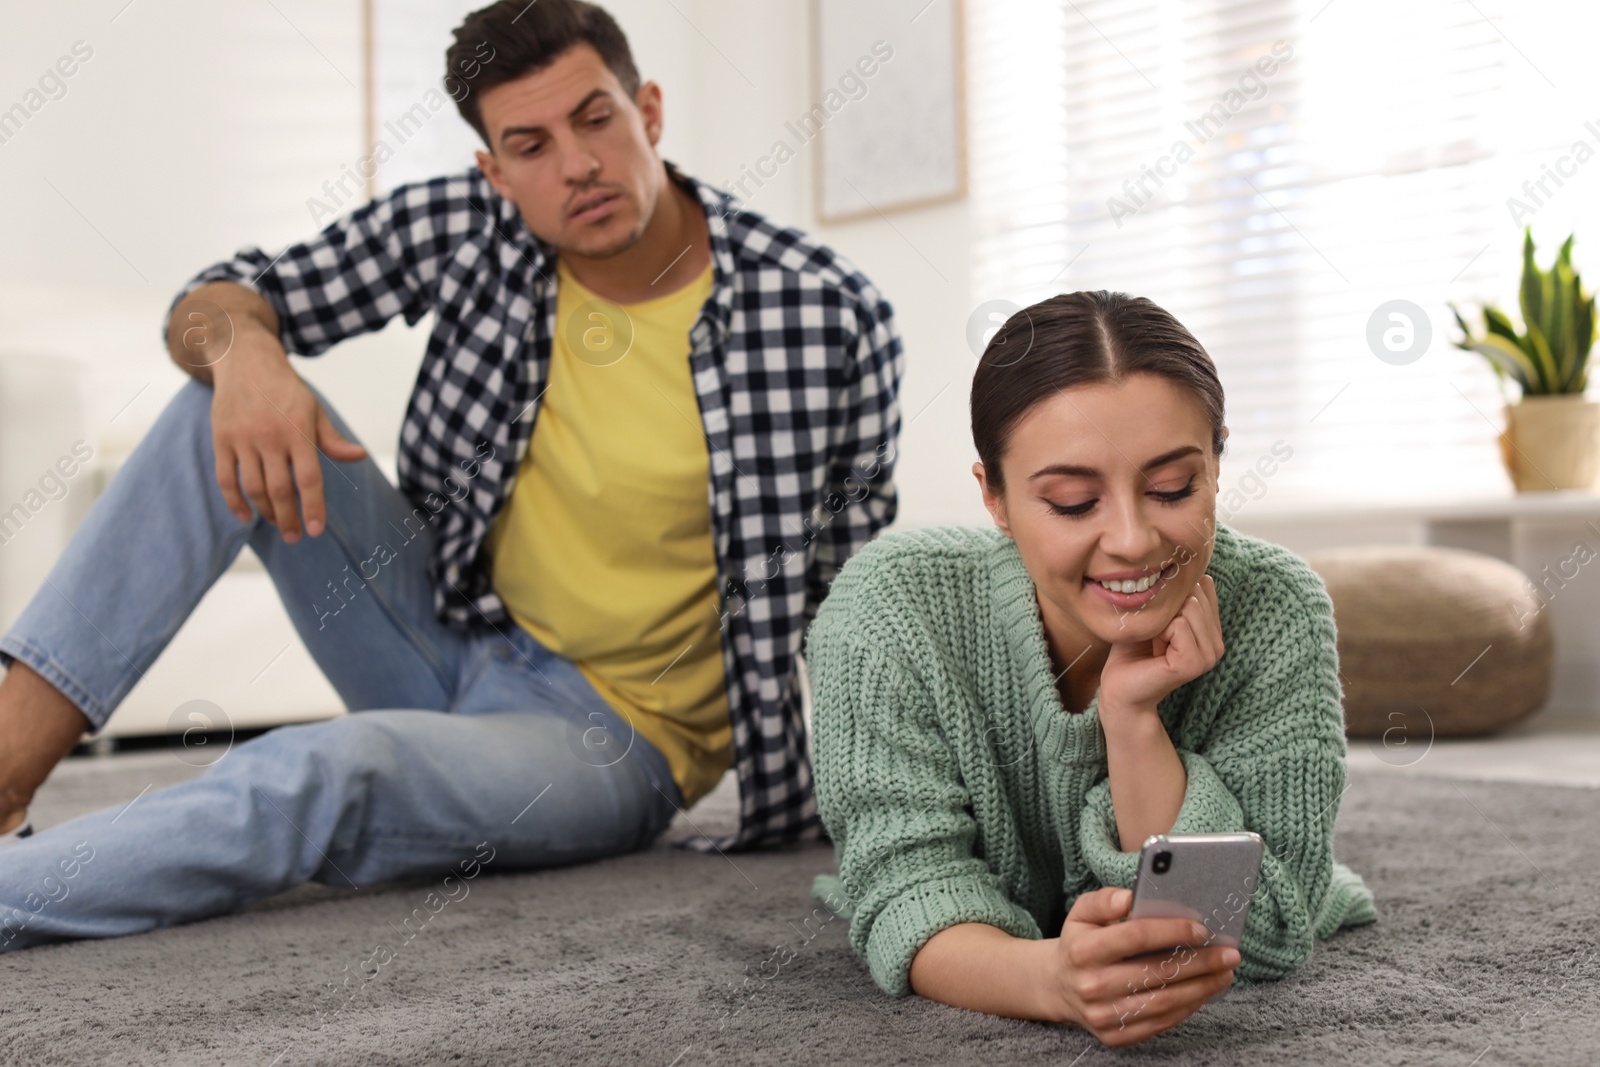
[267,426]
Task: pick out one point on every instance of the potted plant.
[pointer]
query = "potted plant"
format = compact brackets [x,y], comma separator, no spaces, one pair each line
[1550,440]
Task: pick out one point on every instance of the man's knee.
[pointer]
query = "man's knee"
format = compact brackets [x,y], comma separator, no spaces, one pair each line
[193,402]
[186,418]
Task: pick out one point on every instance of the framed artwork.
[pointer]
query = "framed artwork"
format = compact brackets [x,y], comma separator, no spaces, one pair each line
[888,106]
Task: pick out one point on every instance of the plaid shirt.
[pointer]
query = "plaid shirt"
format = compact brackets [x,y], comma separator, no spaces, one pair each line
[797,366]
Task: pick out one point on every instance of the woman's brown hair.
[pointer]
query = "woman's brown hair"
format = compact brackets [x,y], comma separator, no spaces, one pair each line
[1083,338]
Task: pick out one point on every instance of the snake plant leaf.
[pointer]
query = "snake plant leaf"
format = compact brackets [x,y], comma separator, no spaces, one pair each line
[1532,281]
[1584,328]
[1585,333]
[1507,359]
[1499,324]
[1560,329]
[1538,351]
[1466,331]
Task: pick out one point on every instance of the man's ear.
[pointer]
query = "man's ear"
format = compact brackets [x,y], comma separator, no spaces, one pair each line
[648,101]
[994,502]
[491,170]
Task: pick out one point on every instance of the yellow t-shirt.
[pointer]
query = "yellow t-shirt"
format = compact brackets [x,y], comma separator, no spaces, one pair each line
[604,551]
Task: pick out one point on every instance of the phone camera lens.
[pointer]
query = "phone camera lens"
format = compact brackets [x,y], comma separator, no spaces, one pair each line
[1162,862]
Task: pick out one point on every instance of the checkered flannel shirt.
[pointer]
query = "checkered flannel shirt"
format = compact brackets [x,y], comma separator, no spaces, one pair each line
[797,366]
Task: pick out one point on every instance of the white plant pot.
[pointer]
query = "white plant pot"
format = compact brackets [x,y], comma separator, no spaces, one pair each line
[1552,442]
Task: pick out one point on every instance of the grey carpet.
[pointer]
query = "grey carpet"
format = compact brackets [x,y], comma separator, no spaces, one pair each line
[1485,953]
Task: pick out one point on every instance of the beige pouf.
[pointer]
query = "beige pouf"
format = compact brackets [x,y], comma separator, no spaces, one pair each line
[1411,619]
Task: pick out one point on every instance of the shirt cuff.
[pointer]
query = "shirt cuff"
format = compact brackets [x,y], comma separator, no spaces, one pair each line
[229,270]
[905,925]
[1208,807]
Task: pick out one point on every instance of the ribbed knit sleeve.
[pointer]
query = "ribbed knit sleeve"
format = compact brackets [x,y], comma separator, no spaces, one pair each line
[1208,807]
[1273,762]
[891,796]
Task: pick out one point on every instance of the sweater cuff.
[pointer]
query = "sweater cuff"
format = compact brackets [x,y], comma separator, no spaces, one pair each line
[829,889]
[1354,903]
[1207,807]
[905,925]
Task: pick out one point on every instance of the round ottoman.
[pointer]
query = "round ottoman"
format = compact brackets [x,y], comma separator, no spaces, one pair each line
[1414,624]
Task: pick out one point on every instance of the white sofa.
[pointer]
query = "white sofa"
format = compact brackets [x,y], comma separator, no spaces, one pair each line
[237,662]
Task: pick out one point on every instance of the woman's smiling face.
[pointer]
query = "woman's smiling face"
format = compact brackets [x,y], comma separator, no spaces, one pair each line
[1113,482]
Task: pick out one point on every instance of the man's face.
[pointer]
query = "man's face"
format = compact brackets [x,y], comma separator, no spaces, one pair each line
[575,153]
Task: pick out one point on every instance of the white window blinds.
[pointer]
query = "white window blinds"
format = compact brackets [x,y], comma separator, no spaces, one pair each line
[1272,172]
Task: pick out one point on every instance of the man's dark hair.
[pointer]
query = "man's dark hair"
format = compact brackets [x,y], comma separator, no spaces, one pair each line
[525,38]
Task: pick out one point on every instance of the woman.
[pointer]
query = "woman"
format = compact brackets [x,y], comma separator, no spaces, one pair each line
[1002,716]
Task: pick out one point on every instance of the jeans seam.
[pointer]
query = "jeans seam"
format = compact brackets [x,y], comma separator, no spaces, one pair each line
[475,663]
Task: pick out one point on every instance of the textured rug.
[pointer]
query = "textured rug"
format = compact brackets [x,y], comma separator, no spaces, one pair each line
[1487,951]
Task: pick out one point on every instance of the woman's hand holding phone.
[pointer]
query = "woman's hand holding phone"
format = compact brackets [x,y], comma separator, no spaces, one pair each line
[1120,999]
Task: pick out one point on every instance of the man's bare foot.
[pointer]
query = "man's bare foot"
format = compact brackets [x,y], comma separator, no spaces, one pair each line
[38,726]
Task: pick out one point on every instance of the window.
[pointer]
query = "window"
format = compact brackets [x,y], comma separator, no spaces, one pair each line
[1272,172]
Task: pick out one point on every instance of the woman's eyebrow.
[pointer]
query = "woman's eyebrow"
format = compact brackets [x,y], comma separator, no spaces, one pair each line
[1073,470]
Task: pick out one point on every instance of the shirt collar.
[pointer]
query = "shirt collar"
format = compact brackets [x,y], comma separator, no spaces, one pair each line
[721,209]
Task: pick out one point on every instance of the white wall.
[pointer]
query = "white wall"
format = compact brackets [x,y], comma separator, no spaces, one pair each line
[196,128]
[753,71]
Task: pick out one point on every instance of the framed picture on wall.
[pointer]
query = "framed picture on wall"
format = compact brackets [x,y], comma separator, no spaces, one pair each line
[888,106]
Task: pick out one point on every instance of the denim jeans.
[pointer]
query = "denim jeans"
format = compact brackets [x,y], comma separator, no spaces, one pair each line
[460,749]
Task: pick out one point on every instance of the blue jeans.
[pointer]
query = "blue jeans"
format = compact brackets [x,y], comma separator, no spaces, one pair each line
[489,750]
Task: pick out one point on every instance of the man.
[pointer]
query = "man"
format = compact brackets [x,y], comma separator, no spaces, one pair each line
[648,430]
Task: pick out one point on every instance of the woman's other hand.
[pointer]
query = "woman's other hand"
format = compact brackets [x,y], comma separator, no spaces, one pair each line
[1137,675]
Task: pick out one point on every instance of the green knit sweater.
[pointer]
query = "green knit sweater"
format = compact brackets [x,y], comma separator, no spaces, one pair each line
[957,788]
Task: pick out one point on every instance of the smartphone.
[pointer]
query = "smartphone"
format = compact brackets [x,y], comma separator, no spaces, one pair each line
[1208,878]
